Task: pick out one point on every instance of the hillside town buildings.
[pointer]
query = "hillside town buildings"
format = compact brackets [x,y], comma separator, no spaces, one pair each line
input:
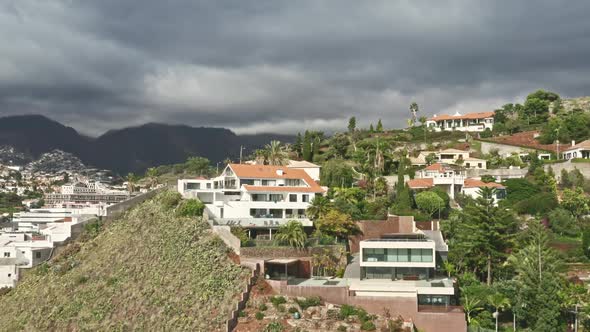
[580,150]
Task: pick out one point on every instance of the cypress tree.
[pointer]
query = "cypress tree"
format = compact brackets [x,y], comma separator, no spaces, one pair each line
[306,151]
[379,126]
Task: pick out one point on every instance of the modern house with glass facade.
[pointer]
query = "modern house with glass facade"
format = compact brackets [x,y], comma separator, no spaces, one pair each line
[405,265]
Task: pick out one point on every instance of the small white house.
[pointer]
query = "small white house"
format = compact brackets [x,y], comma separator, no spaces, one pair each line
[580,150]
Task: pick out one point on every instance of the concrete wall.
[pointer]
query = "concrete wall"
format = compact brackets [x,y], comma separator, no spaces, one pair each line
[503,149]
[584,168]
[117,209]
[500,174]
[224,232]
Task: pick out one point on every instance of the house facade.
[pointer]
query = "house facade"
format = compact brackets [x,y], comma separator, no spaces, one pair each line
[453,180]
[580,150]
[256,197]
[450,156]
[405,265]
[471,122]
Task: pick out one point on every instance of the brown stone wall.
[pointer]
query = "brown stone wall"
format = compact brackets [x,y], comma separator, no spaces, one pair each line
[283,252]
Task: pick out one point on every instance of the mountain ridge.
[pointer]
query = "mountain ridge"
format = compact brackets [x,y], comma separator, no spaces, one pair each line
[129,149]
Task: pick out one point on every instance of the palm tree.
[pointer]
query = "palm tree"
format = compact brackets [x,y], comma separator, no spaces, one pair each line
[414,110]
[499,302]
[260,156]
[292,233]
[471,301]
[275,153]
[131,180]
[152,175]
[318,207]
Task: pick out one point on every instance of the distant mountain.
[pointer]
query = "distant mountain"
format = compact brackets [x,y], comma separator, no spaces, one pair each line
[130,149]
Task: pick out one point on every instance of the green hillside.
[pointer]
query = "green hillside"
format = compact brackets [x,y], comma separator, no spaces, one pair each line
[148,270]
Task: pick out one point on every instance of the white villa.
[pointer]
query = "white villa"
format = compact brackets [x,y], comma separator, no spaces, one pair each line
[257,197]
[580,150]
[475,122]
[451,156]
[453,180]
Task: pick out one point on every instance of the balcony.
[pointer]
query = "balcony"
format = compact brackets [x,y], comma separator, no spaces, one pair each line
[439,308]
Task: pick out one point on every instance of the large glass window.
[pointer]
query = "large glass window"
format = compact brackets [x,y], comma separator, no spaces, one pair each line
[397,255]
[193,186]
[292,197]
[378,272]
[276,197]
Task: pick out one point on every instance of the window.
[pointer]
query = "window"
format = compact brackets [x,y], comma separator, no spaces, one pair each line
[6,254]
[305,198]
[292,197]
[247,182]
[193,186]
[9,275]
[38,254]
[276,197]
[478,165]
[208,185]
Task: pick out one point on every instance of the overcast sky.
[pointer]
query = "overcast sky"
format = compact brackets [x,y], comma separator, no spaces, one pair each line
[281,66]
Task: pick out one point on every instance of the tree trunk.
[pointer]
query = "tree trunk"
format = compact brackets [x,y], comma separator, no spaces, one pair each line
[489,281]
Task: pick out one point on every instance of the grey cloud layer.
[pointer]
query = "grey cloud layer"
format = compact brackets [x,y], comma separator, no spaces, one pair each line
[279,65]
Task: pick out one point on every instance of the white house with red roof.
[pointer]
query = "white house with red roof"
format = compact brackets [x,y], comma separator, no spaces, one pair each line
[475,122]
[453,180]
[472,188]
[580,150]
[257,197]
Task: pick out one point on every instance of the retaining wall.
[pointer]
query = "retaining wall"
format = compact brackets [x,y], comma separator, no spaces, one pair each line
[584,168]
[115,210]
[232,322]
[230,240]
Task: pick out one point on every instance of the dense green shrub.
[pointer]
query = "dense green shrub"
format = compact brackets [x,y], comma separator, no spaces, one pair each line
[259,315]
[563,222]
[520,189]
[274,327]
[170,199]
[346,311]
[537,204]
[262,307]
[312,301]
[368,326]
[190,208]
[277,300]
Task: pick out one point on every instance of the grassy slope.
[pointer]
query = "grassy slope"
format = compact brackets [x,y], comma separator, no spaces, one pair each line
[149,270]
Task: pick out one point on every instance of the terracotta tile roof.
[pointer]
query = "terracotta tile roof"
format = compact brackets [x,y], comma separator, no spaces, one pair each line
[274,172]
[420,183]
[525,139]
[436,167]
[267,172]
[468,116]
[312,189]
[474,183]
[584,145]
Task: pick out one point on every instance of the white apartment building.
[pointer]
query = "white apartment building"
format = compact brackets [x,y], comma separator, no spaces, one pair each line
[37,219]
[580,150]
[259,197]
[451,156]
[472,122]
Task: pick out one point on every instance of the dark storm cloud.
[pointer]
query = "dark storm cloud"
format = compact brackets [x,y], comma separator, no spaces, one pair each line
[281,65]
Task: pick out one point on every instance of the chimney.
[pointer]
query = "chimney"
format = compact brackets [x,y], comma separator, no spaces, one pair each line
[573,142]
